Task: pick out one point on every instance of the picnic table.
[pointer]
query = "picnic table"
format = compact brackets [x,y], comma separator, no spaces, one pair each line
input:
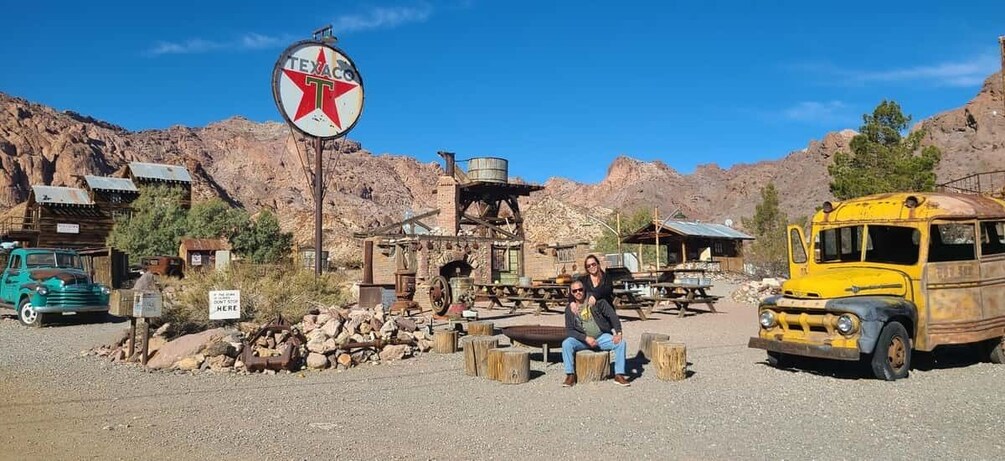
[541,295]
[635,300]
[683,295]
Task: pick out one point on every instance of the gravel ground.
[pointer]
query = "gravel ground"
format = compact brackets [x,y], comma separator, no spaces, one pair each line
[57,404]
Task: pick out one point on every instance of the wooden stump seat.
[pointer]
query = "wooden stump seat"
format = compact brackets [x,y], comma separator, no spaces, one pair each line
[593,366]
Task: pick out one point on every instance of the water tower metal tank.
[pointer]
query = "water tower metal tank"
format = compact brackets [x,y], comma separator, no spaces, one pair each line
[488,169]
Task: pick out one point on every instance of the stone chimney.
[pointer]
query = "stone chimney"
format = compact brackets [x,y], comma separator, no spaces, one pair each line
[446,201]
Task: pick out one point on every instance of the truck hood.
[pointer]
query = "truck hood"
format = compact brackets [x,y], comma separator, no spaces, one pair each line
[848,281]
[68,276]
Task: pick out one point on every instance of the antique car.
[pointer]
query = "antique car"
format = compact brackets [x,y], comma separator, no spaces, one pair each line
[888,274]
[39,282]
[170,266]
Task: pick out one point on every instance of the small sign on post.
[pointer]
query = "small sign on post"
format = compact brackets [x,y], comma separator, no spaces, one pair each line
[224,304]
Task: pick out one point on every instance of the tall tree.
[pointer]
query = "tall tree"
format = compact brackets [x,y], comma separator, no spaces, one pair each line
[882,160]
[630,222]
[768,224]
[215,219]
[264,242]
[156,225]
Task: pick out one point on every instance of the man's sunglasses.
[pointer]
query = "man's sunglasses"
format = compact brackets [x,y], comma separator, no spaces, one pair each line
[577,290]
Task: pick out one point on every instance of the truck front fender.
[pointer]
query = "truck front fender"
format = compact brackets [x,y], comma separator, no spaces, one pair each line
[874,312]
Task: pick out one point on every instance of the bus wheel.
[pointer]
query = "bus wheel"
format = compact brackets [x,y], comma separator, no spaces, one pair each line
[891,360]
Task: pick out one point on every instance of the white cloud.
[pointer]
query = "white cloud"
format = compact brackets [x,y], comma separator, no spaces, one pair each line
[249,41]
[957,73]
[951,73]
[381,18]
[817,112]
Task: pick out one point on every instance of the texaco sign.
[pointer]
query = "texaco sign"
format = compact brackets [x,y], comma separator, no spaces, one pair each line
[318,89]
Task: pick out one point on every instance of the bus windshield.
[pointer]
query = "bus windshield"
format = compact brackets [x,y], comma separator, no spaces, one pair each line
[883,244]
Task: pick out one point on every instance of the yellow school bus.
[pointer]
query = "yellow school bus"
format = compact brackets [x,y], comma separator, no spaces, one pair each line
[887,274]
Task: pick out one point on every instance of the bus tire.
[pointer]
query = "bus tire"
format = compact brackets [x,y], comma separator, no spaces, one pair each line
[891,360]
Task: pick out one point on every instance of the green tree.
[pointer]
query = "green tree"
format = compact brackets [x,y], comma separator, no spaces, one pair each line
[215,219]
[264,242]
[882,160]
[156,225]
[769,252]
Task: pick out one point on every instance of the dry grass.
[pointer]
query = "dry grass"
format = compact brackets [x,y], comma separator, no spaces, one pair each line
[266,291]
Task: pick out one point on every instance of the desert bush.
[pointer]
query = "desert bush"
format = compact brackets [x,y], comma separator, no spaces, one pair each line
[266,291]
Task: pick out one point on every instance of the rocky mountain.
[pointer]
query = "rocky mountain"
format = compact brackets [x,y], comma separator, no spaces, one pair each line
[258,165]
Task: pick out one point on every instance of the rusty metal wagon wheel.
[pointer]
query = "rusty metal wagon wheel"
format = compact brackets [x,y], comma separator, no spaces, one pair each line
[439,295]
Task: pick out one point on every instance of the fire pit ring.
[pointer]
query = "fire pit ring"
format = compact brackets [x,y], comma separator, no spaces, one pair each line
[541,336]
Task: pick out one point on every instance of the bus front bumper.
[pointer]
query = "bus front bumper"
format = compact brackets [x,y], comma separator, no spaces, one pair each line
[805,350]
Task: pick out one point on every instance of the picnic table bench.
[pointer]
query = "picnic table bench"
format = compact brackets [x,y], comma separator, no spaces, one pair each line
[631,299]
[684,295]
[543,295]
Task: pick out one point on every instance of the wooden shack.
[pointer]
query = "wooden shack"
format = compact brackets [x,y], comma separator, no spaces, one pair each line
[200,254]
[112,195]
[148,174]
[63,217]
[687,241]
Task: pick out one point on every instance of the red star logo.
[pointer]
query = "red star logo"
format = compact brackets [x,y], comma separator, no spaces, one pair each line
[320,90]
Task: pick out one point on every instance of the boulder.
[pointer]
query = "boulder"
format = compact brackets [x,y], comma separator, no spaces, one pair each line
[317,344]
[405,324]
[317,361]
[394,352]
[331,328]
[330,345]
[322,318]
[220,362]
[184,346]
[162,330]
[220,347]
[424,345]
[188,363]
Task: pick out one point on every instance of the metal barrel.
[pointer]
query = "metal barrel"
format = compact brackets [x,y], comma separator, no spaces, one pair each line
[488,169]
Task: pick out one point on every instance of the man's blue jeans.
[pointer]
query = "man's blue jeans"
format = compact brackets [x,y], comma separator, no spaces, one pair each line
[605,342]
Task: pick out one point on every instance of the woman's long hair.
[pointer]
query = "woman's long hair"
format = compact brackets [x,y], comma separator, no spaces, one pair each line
[600,269]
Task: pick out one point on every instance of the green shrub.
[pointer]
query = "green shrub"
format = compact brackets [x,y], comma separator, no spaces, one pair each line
[266,291]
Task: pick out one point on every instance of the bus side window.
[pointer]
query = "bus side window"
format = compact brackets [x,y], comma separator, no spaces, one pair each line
[952,242]
[991,237]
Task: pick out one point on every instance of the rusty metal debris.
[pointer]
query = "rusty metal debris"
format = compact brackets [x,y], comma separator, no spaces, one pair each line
[288,358]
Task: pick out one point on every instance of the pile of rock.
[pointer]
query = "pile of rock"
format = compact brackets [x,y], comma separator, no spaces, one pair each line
[342,338]
[328,338]
[754,291]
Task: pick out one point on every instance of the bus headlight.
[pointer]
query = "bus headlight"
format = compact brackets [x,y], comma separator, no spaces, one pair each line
[767,319]
[847,324]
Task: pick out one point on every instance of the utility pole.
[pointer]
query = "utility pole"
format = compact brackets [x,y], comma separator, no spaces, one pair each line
[1001,44]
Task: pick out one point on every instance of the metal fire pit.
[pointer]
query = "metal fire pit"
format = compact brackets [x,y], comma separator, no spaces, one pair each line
[541,336]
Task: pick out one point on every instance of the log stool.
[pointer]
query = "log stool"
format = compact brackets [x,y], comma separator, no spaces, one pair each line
[593,366]
[481,329]
[514,367]
[445,341]
[646,344]
[476,355]
[671,360]
[494,363]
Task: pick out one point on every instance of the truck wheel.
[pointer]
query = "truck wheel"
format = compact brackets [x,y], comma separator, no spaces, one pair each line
[891,360]
[779,360]
[28,316]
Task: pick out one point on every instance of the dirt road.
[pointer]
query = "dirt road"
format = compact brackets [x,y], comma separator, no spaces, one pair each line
[57,404]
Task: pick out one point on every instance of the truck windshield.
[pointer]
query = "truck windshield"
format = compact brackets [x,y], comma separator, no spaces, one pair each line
[54,259]
[883,244]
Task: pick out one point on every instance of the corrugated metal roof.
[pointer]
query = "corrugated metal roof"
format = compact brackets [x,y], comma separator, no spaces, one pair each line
[160,172]
[205,244]
[694,229]
[106,183]
[54,195]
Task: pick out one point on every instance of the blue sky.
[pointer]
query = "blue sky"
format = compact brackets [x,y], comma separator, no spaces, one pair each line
[558,88]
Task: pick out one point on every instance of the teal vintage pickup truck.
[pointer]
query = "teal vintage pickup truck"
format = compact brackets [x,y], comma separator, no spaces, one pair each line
[38,282]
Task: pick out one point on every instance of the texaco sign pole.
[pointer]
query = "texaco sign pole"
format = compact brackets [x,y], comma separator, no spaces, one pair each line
[319,92]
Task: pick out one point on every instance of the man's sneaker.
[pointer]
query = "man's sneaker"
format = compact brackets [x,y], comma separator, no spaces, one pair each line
[621,381]
[570,380]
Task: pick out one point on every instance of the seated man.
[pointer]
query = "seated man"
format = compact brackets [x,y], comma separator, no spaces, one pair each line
[594,326]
